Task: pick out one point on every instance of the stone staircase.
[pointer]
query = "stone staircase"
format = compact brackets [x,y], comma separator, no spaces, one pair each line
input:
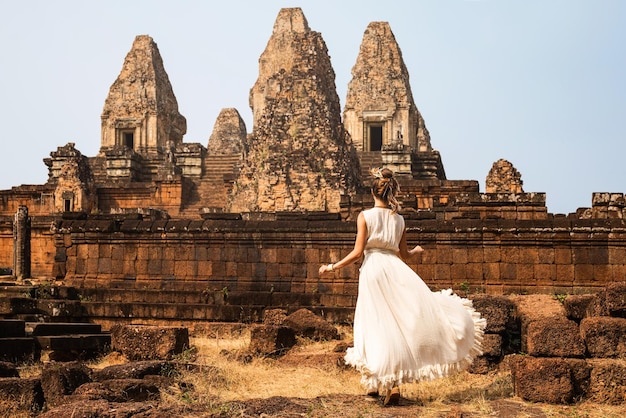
[219,174]
[49,321]
[369,159]
[63,321]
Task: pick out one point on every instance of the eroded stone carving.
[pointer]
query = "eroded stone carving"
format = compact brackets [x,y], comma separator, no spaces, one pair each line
[229,134]
[300,157]
[504,178]
[70,171]
[75,191]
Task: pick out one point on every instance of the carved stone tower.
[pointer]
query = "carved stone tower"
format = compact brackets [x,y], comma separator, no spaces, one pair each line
[140,122]
[380,113]
[300,158]
[229,134]
[504,178]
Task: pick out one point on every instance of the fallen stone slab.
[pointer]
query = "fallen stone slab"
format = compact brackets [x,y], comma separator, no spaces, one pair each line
[120,390]
[25,394]
[604,336]
[551,380]
[308,325]
[61,379]
[576,306]
[611,301]
[83,407]
[268,340]
[18,349]
[146,342]
[608,381]
[553,337]
[134,370]
[530,308]
[499,311]
[274,317]
[616,299]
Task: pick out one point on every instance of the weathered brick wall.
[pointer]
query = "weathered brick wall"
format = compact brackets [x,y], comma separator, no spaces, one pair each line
[281,253]
[556,255]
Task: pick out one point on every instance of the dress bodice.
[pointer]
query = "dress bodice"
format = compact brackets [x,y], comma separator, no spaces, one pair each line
[384,229]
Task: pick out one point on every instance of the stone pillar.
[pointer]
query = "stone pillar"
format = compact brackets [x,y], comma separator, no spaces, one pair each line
[21,243]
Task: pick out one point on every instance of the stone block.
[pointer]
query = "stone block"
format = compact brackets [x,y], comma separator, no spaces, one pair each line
[142,342]
[25,394]
[270,340]
[492,354]
[553,337]
[120,390]
[18,349]
[61,379]
[551,380]
[308,325]
[576,306]
[613,300]
[133,370]
[533,307]
[480,365]
[275,317]
[607,383]
[497,310]
[492,345]
[616,299]
[604,336]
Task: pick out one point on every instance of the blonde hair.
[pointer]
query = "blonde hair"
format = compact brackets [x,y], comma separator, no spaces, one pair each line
[385,187]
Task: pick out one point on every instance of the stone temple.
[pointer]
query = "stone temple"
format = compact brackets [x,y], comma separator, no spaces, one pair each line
[256,209]
[154,230]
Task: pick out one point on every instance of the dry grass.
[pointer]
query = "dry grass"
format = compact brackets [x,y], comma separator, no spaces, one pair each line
[307,382]
[302,375]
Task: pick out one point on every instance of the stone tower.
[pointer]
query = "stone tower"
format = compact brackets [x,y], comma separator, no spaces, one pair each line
[141,124]
[229,134]
[504,178]
[380,113]
[300,157]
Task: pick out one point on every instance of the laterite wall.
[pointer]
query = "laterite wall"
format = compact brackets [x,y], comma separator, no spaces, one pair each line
[282,254]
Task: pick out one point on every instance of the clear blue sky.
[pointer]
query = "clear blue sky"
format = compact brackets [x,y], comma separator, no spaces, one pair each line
[541,83]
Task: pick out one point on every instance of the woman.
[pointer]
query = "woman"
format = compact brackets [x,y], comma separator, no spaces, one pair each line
[403,332]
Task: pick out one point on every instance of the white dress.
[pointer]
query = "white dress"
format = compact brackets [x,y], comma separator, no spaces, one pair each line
[404,332]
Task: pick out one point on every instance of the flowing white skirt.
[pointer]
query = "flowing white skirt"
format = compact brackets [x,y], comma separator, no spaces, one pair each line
[404,332]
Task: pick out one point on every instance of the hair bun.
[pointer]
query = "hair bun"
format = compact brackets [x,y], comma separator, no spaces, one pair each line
[387,173]
[381,173]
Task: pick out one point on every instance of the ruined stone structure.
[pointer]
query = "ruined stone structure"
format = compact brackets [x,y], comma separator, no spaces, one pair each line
[380,113]
[300,157]
[140,119]
[242,223]
[229,134]
[504,178]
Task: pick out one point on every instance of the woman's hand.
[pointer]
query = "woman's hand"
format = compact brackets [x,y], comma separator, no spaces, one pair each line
[324,268]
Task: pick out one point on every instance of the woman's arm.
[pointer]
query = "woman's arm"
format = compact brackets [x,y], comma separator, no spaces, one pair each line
[357,251]
[405,253]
